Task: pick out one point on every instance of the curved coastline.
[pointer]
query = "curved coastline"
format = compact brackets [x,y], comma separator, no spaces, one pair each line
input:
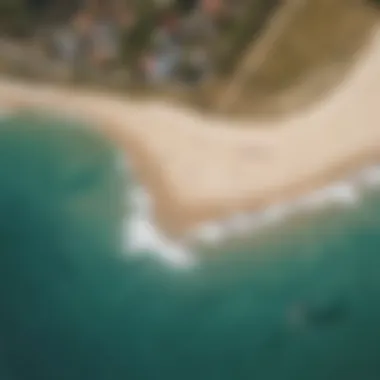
[143,235]
[200,169]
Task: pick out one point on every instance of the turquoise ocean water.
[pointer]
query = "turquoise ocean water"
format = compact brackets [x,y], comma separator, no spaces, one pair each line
[300,301]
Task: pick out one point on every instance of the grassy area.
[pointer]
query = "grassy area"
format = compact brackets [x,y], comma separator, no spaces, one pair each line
[320,33]
[13,17]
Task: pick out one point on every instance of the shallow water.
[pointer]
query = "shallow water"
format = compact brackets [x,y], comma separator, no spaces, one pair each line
[299,300]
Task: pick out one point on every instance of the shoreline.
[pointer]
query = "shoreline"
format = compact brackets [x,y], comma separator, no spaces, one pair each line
[347,192]
[198,169]
[144,236]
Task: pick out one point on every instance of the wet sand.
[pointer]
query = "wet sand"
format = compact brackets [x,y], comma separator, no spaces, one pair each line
[199,168]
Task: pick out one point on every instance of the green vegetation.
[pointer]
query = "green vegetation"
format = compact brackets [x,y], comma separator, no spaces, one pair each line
[321,32]
[13,17]
[234,36]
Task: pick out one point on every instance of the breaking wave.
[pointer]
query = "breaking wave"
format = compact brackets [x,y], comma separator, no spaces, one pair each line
[143,236]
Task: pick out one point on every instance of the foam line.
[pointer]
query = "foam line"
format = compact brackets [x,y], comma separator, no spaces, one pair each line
[345,193]
[143,236]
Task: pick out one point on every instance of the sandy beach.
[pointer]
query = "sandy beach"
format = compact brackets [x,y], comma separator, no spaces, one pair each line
[199,168]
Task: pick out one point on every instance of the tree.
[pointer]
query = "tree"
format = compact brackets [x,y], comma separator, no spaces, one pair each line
[13,17]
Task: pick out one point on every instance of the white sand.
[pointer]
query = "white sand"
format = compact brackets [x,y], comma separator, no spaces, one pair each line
[199,168]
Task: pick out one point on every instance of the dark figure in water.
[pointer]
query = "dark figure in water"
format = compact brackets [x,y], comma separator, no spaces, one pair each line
[75,306]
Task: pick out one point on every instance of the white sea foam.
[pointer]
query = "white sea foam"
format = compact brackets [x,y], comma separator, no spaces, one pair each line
[143,236]
[342,193]
[209,232]
[371,176]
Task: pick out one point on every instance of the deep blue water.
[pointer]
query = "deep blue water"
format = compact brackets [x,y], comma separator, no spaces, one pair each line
[300,303]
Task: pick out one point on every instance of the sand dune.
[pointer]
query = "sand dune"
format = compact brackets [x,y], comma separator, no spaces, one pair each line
[199,168]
